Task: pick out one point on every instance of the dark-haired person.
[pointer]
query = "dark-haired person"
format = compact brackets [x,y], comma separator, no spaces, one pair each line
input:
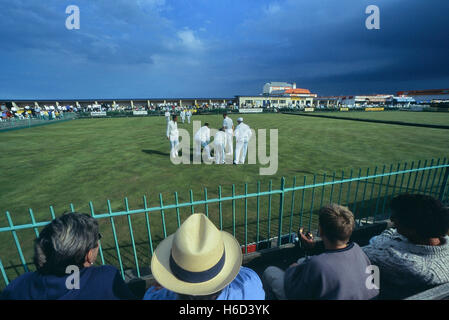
[414,255]
[68,243]
[339,273]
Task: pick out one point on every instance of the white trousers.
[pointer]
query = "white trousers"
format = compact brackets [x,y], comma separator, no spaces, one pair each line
[219,153]
[241,148]
[174,148]
[229,143]
[199,144]
[188,119]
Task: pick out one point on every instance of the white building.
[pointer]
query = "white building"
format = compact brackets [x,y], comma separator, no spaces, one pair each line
[269,87]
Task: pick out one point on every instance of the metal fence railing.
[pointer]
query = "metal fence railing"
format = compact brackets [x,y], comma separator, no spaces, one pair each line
[259,216]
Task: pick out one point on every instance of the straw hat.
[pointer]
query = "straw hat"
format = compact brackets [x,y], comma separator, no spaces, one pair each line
[198,259]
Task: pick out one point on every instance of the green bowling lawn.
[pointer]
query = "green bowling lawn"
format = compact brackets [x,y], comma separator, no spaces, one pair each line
[99,159]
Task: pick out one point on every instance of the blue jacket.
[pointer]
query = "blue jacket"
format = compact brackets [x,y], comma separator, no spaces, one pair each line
[96,283]
[246,286]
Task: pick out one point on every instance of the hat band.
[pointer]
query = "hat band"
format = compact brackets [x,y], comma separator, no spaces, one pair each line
[196,277]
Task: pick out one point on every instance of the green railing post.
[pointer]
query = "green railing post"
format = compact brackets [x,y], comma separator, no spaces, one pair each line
[301,212]
[206,207]
[52,212]
[100,249]
[258,214]
[354,207]
[114,233]
[17,242]
[311,205]
[178,219]
[416,177]
[402,178]
[233,210]
[246,218]
[434,177]
[376,211]
[444,184]
[220,213]
[33,221]
[192,208]
[133,243]
[371,195]
[270,185]
[323,190]
[164,229]
[349,188]
[281,211]
[428,178]
[147,220]
[422,177]
[332,188]
[395,180]
[409,177]
[442,170]
[2,269]
[362,206]
[341,187]
[292,209]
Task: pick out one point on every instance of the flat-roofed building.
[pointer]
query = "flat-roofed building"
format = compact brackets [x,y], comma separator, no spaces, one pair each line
[427,96]
[269,87]
[366,100]
[273,101]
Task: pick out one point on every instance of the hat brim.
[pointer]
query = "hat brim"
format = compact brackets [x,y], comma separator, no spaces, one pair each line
[160,268]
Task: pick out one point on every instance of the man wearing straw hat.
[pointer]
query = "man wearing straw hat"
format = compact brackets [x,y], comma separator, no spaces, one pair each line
[199,262]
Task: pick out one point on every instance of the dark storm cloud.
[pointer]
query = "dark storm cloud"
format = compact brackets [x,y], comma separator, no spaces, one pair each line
[203,48]
[411,44]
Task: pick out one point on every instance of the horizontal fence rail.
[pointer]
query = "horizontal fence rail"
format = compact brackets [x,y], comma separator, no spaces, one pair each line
[258,219]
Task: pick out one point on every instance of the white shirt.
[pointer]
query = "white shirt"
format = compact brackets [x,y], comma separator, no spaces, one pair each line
[227,123]
[220,138]
[172,130]
[242,132]
[167,114]
[189,114]
[203,134]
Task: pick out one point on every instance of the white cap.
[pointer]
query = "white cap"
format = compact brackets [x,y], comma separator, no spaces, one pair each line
[240,119]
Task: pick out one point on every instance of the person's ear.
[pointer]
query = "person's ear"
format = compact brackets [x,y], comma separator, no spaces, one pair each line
[90,257]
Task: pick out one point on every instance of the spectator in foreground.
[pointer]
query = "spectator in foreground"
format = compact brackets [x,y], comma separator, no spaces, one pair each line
[70,240]
[414,255]
[339,273]
[199,262]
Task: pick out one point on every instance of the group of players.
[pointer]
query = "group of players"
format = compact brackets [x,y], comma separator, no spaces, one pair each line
[223,139]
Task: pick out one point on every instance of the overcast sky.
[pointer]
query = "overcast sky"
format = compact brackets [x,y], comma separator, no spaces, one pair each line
[219,48]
